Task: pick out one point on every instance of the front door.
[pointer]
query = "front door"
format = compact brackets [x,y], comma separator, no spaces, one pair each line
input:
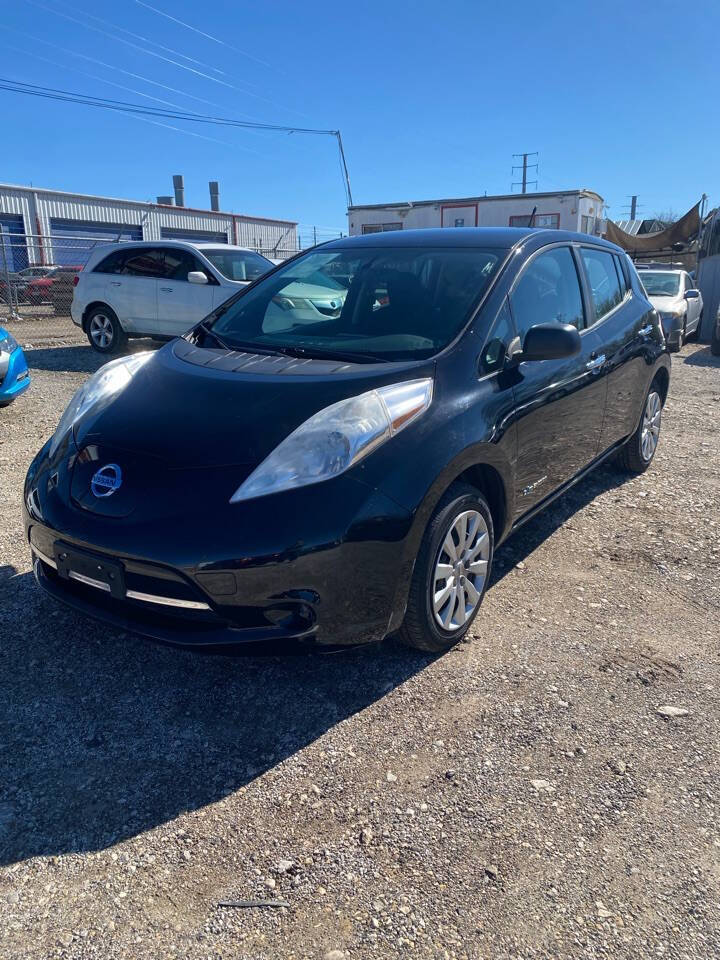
[693,305]
[559,403]
[182,304]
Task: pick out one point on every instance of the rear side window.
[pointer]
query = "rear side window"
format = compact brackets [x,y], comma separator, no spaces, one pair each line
[113,263]
[548,292]
[602,279]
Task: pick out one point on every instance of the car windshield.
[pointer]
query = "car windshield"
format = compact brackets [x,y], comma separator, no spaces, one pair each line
[660,283]
[237,264]
[369,303]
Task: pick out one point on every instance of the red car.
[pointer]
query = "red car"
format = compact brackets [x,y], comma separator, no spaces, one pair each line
[56,288]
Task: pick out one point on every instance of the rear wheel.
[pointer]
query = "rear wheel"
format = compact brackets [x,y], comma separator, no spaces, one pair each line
[451,571]
[638,452]
[104,331]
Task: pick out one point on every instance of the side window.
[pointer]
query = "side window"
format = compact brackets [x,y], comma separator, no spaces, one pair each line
[603,280]
[688,282]
[619,266]
[548,292]
[179,263]
[113,263]
[492,359]
[145,262]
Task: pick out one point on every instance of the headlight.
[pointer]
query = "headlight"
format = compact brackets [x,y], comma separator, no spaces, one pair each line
[8,344]
[102,386]
[337,437]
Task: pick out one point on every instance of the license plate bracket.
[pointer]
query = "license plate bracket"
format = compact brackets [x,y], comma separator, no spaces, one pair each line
[91,569]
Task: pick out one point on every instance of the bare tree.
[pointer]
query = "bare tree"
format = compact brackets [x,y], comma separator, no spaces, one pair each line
[666,217]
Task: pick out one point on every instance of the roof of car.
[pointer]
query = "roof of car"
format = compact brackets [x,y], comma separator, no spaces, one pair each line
[501,237]
[204,244]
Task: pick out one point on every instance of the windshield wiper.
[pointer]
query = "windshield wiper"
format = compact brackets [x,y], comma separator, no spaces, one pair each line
[238,346]
[311,353]
[211,333]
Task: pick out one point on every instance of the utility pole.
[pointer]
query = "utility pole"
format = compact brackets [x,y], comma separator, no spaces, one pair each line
[634,206]
[525,166]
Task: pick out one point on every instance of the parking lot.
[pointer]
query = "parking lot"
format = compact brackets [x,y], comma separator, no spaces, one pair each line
[520,797]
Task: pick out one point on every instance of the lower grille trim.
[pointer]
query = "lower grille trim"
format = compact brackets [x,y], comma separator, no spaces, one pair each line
[130,594]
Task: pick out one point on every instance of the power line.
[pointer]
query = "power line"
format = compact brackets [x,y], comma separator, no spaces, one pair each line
[208,36]
[138,36]
[124,106]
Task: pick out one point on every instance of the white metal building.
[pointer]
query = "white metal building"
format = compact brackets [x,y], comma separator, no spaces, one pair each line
[579,210]
[50,226]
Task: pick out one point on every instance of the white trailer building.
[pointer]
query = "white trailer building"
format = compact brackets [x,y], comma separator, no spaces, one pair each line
[578,210]
[52,226]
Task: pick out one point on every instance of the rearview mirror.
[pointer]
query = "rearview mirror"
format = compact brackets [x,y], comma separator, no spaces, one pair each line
[692,294]
[197,276]
[550,341]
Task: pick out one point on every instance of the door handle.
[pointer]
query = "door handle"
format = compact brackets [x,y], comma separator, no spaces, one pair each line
[646,331]
[115,283]
[166,289]
[595,363]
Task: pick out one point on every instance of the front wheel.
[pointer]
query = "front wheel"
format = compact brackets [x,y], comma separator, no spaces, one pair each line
[638,452]
[451,571]
[104,331]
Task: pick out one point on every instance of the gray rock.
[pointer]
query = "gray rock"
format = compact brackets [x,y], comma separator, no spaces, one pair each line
[669,711]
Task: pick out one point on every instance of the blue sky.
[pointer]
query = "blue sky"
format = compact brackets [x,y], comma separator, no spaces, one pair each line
[432,99]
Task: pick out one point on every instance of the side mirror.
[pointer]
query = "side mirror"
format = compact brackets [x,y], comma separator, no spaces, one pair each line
[550,341]
[692,294]
[197,276]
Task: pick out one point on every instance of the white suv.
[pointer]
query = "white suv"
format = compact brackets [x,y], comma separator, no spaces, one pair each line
[157,289]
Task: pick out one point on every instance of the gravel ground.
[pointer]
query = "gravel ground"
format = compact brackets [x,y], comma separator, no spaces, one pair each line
[519,797]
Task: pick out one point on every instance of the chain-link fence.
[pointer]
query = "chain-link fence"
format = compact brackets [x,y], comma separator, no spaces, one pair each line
[37,279]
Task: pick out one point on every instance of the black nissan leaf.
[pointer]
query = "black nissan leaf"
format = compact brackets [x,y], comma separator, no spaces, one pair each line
[336,452]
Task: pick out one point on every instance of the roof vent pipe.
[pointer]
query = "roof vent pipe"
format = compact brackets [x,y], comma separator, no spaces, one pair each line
[179,187]
[214,195]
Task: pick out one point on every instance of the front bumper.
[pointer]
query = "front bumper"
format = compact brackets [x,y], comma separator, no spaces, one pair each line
[16,378]
[672,328]
[318,566]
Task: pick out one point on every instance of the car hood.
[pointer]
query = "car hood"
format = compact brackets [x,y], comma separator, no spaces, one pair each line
[196,407]
[666,303]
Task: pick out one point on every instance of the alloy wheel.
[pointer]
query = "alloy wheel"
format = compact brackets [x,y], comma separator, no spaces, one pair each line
[101,330]
[460,570]
[651,425]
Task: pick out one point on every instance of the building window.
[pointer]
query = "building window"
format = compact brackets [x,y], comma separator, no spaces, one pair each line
[587,225]
[549,221]
[380,227]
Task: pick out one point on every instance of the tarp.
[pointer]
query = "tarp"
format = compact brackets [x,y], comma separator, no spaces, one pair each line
[683,231]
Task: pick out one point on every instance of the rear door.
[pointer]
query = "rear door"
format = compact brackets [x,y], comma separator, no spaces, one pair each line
[624,324]
[559,403]
[182,304]
[133,289]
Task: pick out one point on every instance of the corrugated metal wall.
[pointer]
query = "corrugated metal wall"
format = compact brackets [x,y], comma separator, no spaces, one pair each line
[38,208]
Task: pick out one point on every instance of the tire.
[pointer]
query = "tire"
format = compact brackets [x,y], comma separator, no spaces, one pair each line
[104,331]
[715,342]
[421,628]
[636,455]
